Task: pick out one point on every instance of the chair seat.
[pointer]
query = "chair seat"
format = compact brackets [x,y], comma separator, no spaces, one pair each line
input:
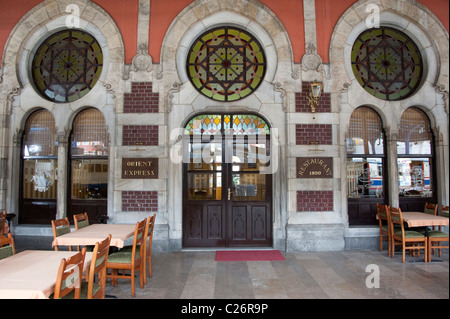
[130,248]
[437,233]
[120,257]
[409,234]
[83,292]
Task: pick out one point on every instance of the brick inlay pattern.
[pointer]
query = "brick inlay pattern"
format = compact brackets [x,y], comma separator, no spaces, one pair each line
[314,201]
[141,99]
[306,134]
[139,201]
[146,135]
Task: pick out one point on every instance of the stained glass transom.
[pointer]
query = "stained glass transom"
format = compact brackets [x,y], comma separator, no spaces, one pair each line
[387,63]
[67,66]
[240,124]
[226,64]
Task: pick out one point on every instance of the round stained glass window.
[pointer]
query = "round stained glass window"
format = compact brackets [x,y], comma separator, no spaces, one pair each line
[226,64]
[67,66]
[387,63]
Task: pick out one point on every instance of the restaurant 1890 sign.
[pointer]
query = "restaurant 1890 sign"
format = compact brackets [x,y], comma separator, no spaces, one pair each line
[139,168]
[314,167]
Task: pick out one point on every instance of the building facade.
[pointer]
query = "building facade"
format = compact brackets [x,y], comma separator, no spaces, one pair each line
[204,113]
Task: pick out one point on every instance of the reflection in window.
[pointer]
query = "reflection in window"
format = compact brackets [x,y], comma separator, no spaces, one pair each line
[205,186]
[40,157]
[365,154]
[89,156]
[415,154]
[89,178]
[249,187]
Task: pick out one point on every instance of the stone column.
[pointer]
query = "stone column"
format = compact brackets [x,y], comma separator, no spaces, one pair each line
[63,162]
[392,168]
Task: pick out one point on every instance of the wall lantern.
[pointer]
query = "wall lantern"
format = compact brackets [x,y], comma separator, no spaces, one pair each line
[315,91]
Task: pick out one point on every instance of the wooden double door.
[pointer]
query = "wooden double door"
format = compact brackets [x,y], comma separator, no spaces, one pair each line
[227,196]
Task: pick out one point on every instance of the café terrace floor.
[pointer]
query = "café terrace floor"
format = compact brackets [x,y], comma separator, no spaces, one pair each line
[302,275]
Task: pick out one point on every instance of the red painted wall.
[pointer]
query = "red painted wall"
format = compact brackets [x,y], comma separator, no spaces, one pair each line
[290,13]
[125,14]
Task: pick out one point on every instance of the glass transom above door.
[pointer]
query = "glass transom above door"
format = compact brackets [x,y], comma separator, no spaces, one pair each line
[226,64]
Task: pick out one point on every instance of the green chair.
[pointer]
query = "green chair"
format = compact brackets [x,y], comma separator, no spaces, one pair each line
[94,287]
[148,246]
[404,237]
[7,247]
[68,278]
[438,236]
[81,221]
[383,222]
[60,227]
[2,222]
[133,261]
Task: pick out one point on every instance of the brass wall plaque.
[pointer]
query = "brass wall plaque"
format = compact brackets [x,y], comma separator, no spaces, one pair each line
[314,167]
[140,168]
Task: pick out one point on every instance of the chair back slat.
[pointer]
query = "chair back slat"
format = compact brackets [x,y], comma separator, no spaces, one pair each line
[98,266]
[80,220]
[7,247]
[430,209]
[444,211]
[139,241]
[396,215]
[60,227]
[69,275]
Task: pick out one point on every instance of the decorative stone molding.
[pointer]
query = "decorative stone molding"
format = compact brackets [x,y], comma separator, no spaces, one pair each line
[14,92]
[142,61]
[278,88]
[168,100]
[311,60]
[440,88]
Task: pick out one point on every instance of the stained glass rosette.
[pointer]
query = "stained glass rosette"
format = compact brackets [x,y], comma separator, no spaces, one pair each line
[226,64]
[67,66]
[387,63]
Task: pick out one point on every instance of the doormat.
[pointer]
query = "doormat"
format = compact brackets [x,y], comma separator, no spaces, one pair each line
[249,255]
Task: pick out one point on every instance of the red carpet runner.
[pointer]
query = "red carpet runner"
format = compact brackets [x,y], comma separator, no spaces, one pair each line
[249,255]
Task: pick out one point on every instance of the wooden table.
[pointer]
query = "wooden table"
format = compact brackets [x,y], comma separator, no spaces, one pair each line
[419,219]
[31,274]
[92,234]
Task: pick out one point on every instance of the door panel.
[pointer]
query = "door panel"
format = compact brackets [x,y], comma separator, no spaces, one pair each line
[226,200]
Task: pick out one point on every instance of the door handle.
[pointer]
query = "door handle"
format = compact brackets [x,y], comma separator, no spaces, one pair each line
[229,193]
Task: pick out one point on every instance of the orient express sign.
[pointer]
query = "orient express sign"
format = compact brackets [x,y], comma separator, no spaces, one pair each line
[315,167]
[140,168]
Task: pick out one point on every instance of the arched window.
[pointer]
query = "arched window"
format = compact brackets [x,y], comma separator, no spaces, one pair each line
[415,154]
[39,169]
[365,166]
[89,164]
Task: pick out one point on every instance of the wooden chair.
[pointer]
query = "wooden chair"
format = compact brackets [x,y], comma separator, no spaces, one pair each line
[134,260]
[148,246]
[430,209]
[404,237]
[444,211]
[383,221]
[98,266]
[438,236]
[7,247]
[60,227]
[2,222]
[80,220]
[69,276]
